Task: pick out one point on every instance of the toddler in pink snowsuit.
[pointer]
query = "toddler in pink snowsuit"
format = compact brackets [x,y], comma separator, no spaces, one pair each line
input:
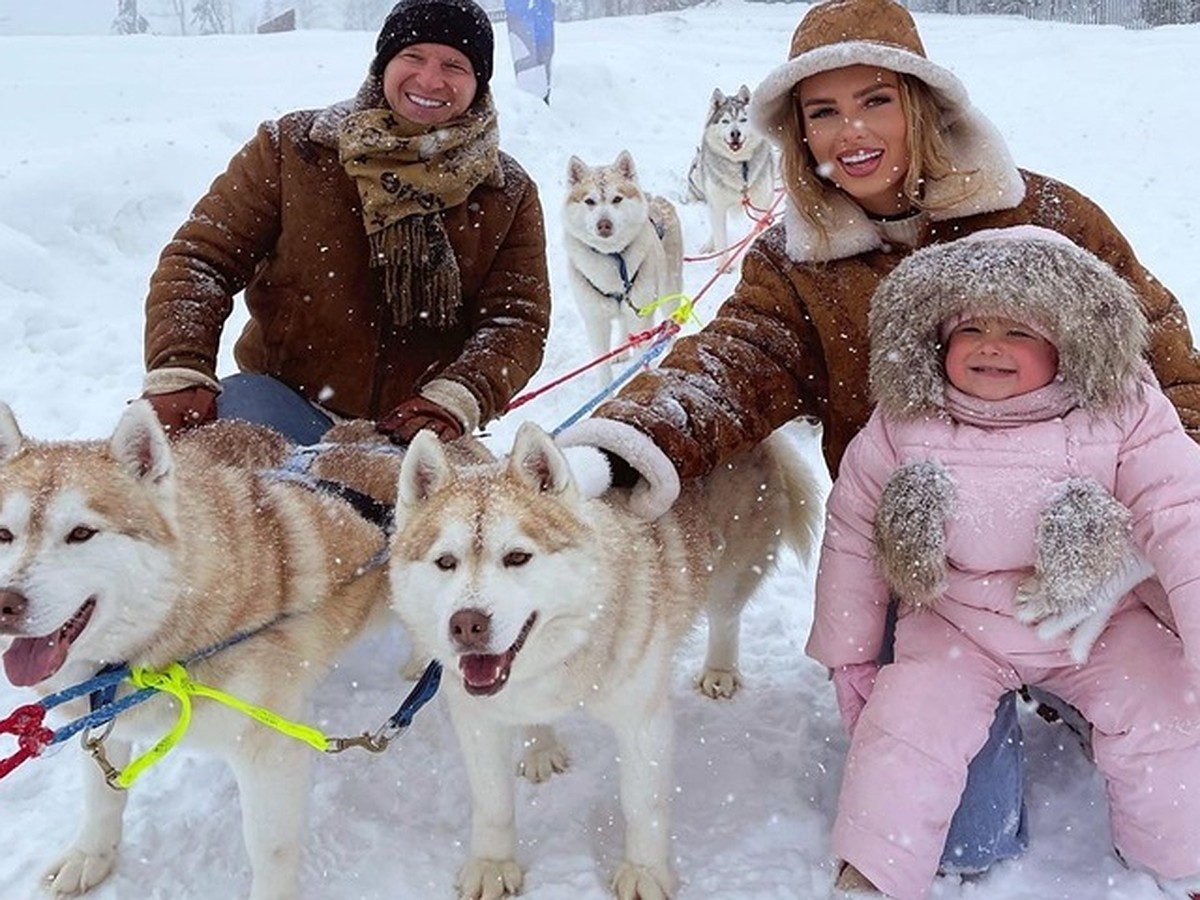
[1028,494]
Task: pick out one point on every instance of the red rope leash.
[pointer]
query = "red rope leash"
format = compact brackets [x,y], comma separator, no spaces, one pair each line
[761,223]
[32,736]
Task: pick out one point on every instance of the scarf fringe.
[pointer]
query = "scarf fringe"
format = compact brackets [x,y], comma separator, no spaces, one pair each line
[421,280]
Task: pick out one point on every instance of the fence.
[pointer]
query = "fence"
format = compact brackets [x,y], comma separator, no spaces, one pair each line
[1130,13]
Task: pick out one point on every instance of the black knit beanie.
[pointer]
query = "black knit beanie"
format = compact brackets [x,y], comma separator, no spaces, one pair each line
[460,24]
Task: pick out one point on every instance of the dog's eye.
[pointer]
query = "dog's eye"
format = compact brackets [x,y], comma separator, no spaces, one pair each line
[515,558]
[6,536]
[446,562]
[589,201]
[617,200]
[79,534]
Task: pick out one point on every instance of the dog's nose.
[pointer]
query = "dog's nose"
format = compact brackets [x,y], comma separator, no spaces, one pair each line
[12,606]
[604,227]
[471,629]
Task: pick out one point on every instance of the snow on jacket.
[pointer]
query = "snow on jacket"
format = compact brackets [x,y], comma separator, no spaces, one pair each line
[995,479]
[284,223]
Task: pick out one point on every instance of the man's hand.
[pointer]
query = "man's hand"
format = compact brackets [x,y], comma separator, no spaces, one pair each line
[183,409]
[418,414]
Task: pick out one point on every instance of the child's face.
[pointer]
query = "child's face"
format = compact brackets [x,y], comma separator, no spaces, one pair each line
[995,358]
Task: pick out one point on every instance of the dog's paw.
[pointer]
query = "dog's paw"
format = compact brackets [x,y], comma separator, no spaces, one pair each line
[541,761]
[490,879]
[718,683]
[634,882]
[78,871]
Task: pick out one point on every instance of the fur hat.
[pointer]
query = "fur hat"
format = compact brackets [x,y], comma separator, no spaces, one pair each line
[839,33]
[461,24]
[1029,274]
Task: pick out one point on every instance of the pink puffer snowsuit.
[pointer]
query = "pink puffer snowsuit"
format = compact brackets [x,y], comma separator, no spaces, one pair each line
[952,506]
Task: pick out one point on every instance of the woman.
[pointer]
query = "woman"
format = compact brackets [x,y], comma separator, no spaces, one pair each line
[393,259]
[882,154]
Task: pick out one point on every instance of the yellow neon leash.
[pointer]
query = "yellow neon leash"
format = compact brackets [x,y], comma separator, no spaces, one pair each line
[174,680]
[681,314]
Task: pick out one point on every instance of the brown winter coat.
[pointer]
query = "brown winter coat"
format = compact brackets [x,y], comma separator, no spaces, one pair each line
[284,223]
[792,339]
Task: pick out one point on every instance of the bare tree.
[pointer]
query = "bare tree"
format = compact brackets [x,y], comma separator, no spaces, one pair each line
[209,16]
[128,21]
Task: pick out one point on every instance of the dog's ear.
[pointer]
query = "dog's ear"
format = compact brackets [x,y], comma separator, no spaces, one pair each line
[423,471]
[743,94]
[625,166]
[11,438]
[714,103]
[140,445]
[576,170]
[538,462]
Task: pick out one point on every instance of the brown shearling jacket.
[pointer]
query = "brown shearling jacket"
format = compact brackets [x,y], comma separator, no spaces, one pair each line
[792,339]
[283,222]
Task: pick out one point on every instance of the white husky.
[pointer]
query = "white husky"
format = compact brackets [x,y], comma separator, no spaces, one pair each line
[624,250]
[539,602]
[135,550]
[732,165]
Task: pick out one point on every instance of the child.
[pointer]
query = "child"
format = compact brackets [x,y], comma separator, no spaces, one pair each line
[1020,473]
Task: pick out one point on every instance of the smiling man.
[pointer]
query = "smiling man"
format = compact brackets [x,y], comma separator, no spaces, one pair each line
[393,259]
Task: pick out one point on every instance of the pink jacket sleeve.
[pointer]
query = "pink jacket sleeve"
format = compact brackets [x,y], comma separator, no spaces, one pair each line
[851,595]
[1158,479]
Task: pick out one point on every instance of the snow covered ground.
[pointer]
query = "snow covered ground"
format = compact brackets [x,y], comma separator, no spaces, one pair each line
[108,142]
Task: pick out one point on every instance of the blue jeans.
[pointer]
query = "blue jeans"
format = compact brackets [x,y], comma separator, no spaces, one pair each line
[268,401]
[989,824]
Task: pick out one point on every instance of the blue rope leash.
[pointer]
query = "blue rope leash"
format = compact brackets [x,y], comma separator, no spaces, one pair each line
[658,346]
[102,689]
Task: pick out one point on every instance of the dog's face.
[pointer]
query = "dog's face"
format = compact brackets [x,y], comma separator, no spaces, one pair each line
[492,566]
[604,206]
[728,124]
[84,528]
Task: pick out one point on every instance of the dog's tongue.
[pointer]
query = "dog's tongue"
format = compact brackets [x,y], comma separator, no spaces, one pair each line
[30,660]
[482,671]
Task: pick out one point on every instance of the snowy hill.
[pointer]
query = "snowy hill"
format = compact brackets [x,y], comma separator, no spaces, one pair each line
[108,143]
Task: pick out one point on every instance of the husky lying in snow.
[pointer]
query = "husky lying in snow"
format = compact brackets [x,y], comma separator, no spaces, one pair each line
[544,602]
[136,550]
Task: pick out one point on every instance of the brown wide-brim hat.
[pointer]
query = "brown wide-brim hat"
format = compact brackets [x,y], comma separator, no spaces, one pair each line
[840,33]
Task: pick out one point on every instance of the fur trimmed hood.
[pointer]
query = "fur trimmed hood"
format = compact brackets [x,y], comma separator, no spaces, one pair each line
[839,33]
[1024,273]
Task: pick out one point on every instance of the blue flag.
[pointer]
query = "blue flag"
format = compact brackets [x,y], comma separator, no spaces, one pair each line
[531,36]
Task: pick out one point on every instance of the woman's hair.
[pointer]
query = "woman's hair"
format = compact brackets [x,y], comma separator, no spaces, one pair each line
[928,158]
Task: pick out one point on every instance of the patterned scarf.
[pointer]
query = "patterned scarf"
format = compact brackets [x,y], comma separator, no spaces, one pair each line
[406,175]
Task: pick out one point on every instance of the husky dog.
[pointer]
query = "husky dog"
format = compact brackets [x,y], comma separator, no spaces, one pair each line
[539,601]
[732,164]
[135,550]
[624,250]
